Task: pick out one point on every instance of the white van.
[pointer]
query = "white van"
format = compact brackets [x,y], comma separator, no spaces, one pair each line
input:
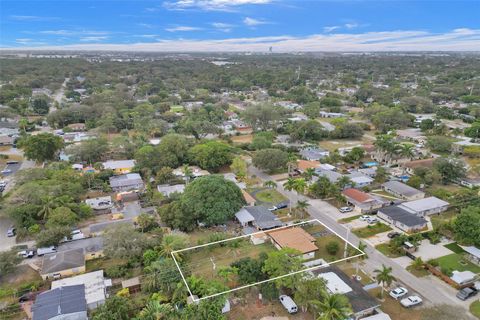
[288,304]
[46,250]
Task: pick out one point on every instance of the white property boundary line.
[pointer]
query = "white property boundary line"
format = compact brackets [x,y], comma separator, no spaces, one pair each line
[268,280]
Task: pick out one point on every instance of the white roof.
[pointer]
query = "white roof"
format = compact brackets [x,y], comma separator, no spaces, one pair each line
[474,251]
[378,316]
[244,216]
[334,283]
[424,204]
[119,164]
[326,166]
[166,190]
[94,282]
[462,277]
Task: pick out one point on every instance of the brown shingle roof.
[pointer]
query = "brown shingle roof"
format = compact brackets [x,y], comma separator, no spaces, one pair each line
[305,164]
[427,163]
[356,195]
[295,238]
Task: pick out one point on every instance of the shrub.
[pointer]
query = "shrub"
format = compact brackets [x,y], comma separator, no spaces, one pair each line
[332,247]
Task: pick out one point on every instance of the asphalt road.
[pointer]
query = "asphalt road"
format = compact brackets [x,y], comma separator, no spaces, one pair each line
[433,292]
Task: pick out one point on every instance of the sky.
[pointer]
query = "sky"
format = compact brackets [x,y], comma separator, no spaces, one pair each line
[241,25]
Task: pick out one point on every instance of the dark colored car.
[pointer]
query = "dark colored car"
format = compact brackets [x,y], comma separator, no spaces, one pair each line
[29,296]
[393,234]
[466,293]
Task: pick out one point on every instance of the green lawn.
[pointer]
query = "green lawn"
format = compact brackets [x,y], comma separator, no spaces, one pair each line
[418,272]
[371,230]
[444,217]
[269,196]
[346,220]
[176,108]
[475,308]
[456,261]
[454,247]
[386,250]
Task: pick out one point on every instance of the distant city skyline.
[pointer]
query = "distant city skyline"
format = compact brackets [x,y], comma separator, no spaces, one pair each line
[241,25]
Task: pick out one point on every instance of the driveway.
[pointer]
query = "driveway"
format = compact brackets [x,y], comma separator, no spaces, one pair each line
[12,168]
[131,210]
[6,242]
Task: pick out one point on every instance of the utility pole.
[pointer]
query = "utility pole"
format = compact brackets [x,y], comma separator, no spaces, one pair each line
[346,244]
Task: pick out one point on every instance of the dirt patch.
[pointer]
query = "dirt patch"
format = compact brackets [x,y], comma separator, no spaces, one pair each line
[247,138]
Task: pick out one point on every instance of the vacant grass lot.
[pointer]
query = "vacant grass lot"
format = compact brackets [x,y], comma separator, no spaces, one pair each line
[454,247]
[346,220]
[387,251]
[456,261]
[371,230]
[269,196]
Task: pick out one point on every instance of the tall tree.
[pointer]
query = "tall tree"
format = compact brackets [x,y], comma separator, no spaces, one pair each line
[41,147]
[333,307]
[384,276]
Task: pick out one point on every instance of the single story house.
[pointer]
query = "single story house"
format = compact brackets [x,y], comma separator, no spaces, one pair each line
[196,172]
[126,182]
[410,166]
[402,191]
[64,303]
[92,247]
[167,190]
[324,114]
[362,201]
[332,176]
[402,219]
[119,166]
[77,126]
[133,284]
[359,180]
[63,264]
[100,203]
[95,287]
[295,238]
[259,217]
[462,278]
[232,177]
[6,140]
[338,282]
[248,198]
[370,172]
[378,316]
[303,165]
[313,153]
[426,206]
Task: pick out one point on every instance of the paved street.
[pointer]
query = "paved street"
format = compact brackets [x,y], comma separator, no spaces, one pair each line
[429,288]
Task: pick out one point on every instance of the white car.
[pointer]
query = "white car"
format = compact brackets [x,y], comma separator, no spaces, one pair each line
[372,220]
[398,292]
[345,209]
[6,171]
[26,253]
[411,301]
[288,304]
[364,218]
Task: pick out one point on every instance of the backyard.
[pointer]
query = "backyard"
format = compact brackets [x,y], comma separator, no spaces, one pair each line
[456,261]
[371,230]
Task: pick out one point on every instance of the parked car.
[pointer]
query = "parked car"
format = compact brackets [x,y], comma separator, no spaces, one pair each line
[411,301]
[3,183]
[11,231]
[398,292]
[74,235]
[372,220]
[345,209]
[29,296]
[393,234]
[466,293]
[6,171]
[364,218]
[288,304]
[279,206]
[46,250]
[26,253]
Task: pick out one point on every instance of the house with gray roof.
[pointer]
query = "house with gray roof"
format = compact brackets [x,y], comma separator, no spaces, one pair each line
[426,206]
[402,219]
[167,190]
[313,153]
[332,176]
[64,303]
[259,217]
[64,263]
[126,182]
[402,191]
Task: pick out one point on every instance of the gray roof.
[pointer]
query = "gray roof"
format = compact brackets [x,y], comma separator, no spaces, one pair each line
[424,204]
[403,216]
[332,176]
[64,260]
[312,153]
[60,301]
[401,188]
[125,180]
[167,190]
[264,219]
[244,216]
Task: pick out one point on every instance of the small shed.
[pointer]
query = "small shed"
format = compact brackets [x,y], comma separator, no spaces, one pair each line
[133,285]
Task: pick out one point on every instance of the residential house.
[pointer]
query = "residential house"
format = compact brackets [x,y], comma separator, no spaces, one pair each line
[232,177]
[100,203]
[119,166]
[248,198]
[463,278]
[332,176]
[369,172]
[126,182]
[77,126]
[412,134]
[95,287]
[6,140]
[313,153]
[92,247]
[303,165]
[167,190]
[426,206]
[473,254]
[403,191]
[259,217]
[324,114]
[196,172]
[63,264]
[410,166]
[402,219]
[362,201]
[64,303]
[294,238]
[359,180]
[338,282]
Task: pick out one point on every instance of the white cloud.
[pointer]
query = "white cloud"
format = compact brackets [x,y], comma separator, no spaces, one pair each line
[148,36]
[351,25]
[401,40]
[182,29]
[251,22]
[93,38]
[331,28]
[211,5]
[29,42]
[225,27]
[32,18]
[75,32]
[146,25]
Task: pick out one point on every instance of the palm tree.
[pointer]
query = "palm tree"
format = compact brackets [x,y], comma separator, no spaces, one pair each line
[300,185]
[49,203]
[344,181]
[309,173]
[406,150]
[290,185]
[187,172]
[154,310]
[333,307]
[170,243]
[417,264]
[270,184]
[302,205]
[384,276]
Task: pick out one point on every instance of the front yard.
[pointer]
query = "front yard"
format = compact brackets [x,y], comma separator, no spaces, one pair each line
[456,261]
[387,250]
[270,196]
[371,230]
[475,308]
